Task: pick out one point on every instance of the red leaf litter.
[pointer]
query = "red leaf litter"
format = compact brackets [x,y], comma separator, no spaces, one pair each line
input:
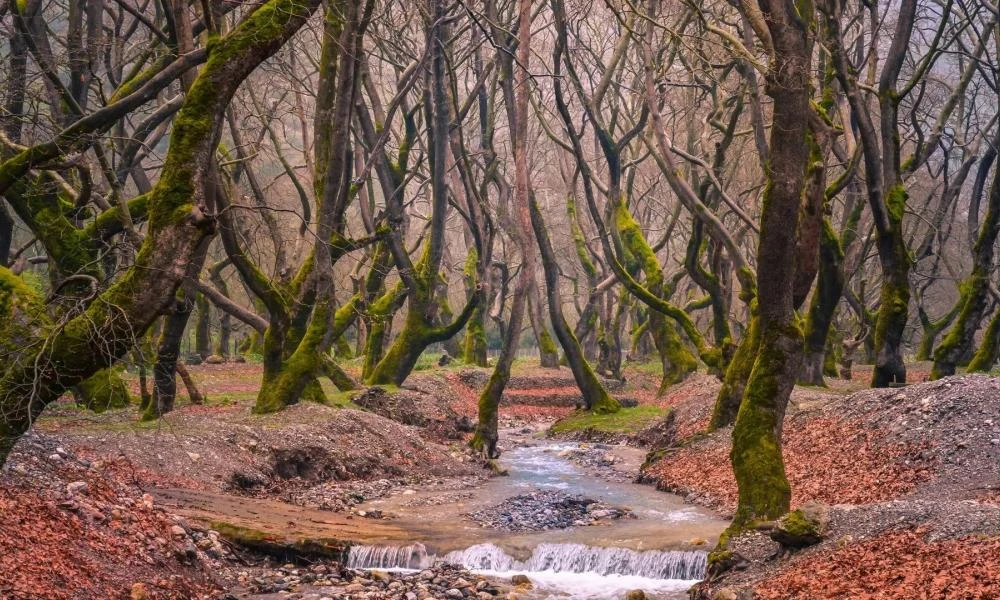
[105,541]
[900,564]
[827,460]
[467,403]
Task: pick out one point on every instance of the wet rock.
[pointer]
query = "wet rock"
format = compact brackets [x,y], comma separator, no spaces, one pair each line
[544,510]
[635,595]
[520,580]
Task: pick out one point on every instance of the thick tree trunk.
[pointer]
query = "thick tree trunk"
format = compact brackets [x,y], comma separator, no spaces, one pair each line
[727,403]
[764,492]
[989,351]
[103,390]
[178,227]
[894,301]
[474,351]
[548,352]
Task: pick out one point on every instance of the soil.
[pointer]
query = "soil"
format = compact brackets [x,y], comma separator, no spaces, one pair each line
[904,473]
[105,506]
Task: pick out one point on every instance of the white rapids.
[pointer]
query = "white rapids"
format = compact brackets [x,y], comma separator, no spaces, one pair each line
[567,570]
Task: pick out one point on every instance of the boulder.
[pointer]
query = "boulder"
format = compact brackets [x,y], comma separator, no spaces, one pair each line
[801,528]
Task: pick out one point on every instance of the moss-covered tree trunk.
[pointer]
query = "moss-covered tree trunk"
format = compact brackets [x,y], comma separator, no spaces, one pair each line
[822,306]
[203,327]
[974,290]
[931,329]
[103,390]
[452,346]
[548,352]
[727,402]
[474,351]
[419,330]
[764,492]
[595,397]
[179,226]
[989,350]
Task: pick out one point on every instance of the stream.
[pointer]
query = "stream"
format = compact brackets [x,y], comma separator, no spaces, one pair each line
[662,551]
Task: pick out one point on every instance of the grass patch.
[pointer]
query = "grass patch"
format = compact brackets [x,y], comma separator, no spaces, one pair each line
[626,420]
[646,367]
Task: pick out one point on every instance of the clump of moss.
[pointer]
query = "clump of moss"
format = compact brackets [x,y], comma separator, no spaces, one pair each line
[799,529]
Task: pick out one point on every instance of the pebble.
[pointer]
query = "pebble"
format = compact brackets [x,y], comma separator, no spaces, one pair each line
[77,487]
[545,510]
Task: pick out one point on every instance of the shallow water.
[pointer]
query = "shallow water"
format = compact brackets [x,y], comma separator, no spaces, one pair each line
[651,552]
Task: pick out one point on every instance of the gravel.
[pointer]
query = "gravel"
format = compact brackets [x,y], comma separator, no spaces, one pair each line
[326,581]
[544,510]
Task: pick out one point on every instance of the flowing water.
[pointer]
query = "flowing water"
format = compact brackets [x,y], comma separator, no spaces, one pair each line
[652,552]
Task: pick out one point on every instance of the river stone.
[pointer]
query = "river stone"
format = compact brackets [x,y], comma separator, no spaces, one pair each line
[520,580]
[635,595]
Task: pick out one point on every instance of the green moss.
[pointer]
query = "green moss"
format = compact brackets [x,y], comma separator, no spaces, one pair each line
[895,203]
[625,420]
[727,403]
[989,350]
[579,242]
[104,390]
[764,491]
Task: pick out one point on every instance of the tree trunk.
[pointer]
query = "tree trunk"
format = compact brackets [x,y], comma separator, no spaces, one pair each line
[727,403]
[103,390]
[823,306]
[179,225]
[989,351]
[168,351]
[764,492]
[974,290]
[595,397]
[203,327]
[548,352]
[474,350]
[192,389]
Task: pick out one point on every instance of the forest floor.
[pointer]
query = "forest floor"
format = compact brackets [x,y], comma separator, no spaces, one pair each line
[107,506]
[905,481]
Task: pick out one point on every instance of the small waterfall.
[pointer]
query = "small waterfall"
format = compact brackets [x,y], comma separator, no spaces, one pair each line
[578,558]
[555,558]
[413,556]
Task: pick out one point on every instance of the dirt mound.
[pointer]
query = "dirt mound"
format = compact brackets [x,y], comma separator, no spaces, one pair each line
[70,528]
[268,454]
[930,439]
[425,401]
[908,472]
[956,420]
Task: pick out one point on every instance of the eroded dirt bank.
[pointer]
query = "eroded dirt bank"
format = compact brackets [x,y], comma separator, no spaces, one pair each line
[906,482]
